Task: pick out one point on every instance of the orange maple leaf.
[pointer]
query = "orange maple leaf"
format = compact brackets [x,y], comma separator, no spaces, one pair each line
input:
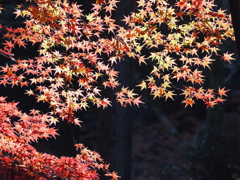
[188,101]
[222,92]
[227,57]
[99,1]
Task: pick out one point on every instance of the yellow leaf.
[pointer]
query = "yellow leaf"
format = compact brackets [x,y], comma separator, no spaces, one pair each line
[169,94]
[142,85]
[90,17]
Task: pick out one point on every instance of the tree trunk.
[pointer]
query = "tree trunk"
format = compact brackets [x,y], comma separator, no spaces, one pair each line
[115,132]
[115,136]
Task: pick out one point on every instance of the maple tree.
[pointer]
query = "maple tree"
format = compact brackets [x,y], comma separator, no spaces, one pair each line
[76,60]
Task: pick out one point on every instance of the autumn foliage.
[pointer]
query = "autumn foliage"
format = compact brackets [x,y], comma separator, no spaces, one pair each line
[77,57]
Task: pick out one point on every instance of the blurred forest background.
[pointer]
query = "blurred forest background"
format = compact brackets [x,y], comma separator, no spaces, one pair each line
[159,140]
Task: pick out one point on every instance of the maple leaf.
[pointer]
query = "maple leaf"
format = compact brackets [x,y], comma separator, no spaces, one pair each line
[18,12]
[90,17]
[127,19]
[120,94]
[219,100]
[227,57]
[210,103]
[53,120]
[143,85]
[99,1]
[206,61]
[169,94]
[130,93]
[2,99]
[113,60]
[79,146]
[166,84]
[159,92]
[8,45]
[113,3]
[141,59]
[113,175]
[122,101]
[188,101]
[137,101]
[222,92]
[109,8]
[105,102]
